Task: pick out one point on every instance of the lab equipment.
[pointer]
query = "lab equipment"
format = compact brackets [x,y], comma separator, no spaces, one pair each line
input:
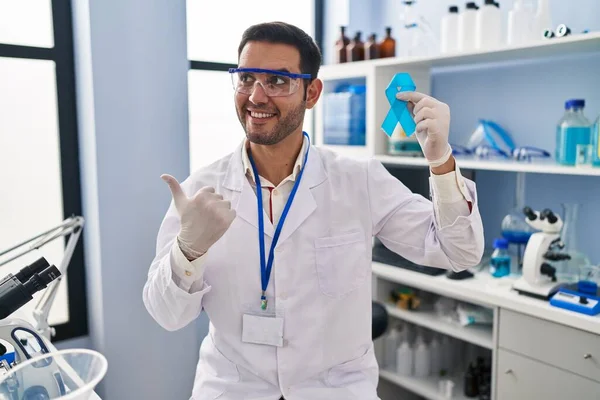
[399,113]
[562,30]
[566,270]
[449,31]
[466,27]
[488,26]
[371,48]
[500,260]
[514,228]
[422,363]
[471,385]
[490,137]
[539,276]
[67,375]
[355,51]
[548,34]
[399,143]
[387,47]
[582,296]
[573,129]
[345,116]
[595,143]
[16,291]
[542,19]
[419,37]
[436,357]
[390,346]
[469,314]
[340,46]
[446,388]
[274,83]
[404,358]
[71,228]
[520,19]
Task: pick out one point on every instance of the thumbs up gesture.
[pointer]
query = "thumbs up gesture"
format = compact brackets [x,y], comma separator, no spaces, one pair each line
[205,217]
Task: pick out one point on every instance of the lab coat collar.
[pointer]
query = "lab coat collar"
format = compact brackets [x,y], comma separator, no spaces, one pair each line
[244,198]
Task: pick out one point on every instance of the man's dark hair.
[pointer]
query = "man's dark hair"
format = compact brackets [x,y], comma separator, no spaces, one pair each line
[281,32]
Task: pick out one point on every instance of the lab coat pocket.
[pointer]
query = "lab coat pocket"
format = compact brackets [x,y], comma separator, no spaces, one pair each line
[359,375]
[215,372]
[342,263]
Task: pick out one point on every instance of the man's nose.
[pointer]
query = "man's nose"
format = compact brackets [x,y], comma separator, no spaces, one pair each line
[259,96]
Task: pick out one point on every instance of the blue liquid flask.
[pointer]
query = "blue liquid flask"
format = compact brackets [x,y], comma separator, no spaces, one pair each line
[573,129]
[500,260]
[596,143]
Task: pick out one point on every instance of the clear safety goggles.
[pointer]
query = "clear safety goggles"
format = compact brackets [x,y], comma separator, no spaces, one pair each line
[274,83]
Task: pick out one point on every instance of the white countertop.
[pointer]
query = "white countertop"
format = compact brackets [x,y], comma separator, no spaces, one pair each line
[488,291]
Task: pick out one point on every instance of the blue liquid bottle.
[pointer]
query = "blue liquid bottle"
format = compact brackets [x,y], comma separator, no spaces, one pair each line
[596,143]
[500,260]
[573,129]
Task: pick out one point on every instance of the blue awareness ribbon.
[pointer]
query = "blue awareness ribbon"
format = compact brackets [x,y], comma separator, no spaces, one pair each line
[399,113]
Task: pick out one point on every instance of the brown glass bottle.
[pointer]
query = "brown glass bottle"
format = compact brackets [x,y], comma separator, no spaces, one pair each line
[356,49]
[372,48]
[340,46]
[387,47]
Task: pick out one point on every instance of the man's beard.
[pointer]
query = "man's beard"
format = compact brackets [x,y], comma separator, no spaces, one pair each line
[280,131]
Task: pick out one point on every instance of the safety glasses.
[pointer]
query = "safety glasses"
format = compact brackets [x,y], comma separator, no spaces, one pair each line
[274,83]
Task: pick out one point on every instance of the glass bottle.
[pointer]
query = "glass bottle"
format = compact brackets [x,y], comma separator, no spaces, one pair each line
[340,46]
[371,48]
[387,47]
[356,49]
[572,130]
[596,143]
[500,260]
[568,271]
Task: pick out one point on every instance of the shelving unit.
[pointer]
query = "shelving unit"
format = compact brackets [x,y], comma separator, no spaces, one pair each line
[480,335]
[425,387]
[376,74]
[497,165]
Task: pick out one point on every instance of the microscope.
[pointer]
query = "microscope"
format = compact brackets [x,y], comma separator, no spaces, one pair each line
[539,276]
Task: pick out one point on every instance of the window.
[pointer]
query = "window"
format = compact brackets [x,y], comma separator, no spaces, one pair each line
[212,49]
[39,165]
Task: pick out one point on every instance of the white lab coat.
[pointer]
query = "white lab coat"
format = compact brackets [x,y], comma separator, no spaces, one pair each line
[320,282]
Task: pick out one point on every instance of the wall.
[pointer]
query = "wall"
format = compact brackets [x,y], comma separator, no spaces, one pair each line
[131,67]
[526,98]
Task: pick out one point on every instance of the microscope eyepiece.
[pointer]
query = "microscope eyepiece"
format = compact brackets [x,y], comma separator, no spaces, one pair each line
[529,213]
[547,213]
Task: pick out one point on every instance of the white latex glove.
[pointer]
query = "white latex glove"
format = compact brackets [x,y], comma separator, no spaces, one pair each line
[204,218]
[433,125]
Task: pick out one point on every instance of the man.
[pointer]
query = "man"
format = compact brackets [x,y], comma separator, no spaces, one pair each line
[284,273]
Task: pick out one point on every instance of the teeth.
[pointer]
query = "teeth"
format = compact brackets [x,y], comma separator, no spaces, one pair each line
[260,115]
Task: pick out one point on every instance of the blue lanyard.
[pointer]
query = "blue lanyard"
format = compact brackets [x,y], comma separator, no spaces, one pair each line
[265,267]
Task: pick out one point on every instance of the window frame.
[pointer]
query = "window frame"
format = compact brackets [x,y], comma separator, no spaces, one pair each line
[62,54]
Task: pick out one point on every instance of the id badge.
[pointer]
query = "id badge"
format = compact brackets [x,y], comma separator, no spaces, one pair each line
[262,326]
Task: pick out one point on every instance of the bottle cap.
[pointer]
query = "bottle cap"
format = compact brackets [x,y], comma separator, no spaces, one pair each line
[571,103]
[501,243]
[453,9]
[472,6]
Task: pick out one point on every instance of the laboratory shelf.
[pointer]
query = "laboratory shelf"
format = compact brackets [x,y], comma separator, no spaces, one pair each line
[569,45]
[498,165]
[425,387]
[480,335]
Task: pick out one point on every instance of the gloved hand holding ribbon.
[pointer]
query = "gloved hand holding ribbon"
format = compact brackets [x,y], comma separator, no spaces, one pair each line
[431,118]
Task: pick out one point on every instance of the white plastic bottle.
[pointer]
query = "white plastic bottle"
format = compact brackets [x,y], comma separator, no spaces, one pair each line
[436,356]
[449,31]
[488,26]
[466,28]
[404,359]
[542,20]
[422,365]
[520,20]
[390,345]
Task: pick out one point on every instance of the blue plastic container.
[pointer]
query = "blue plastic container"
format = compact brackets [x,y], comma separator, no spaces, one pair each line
[596,143]
[572,130]
[500,260]
[345,116]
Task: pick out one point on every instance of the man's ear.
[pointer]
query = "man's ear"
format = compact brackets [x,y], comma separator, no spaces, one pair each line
[313,93]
